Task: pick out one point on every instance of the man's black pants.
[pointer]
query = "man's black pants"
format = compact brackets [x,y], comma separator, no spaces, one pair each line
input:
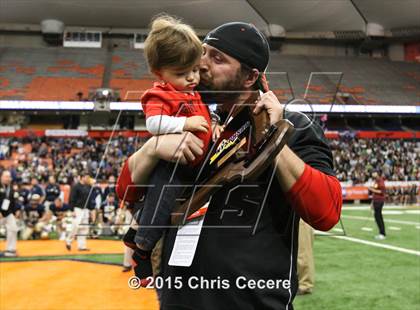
[377,207]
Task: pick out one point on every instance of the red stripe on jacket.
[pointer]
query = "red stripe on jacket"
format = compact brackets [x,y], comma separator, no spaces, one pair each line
[317,198]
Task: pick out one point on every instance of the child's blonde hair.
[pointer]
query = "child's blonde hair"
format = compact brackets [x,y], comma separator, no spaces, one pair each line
[171,43]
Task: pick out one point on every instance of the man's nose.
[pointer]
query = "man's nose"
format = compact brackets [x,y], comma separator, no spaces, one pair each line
[204,64]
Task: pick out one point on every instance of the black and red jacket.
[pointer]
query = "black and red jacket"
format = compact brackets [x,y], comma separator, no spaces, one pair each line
[253,230]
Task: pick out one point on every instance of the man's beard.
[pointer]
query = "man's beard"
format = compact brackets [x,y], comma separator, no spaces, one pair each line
[227,93]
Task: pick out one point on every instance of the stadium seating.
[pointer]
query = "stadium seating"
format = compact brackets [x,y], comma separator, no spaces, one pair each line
[354,161]
[369,81]
[354,157]
[129,74]
[59,74]
[49,73]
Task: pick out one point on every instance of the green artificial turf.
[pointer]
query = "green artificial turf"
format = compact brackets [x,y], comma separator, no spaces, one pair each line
[407,237]
[100,258]
[350,275]
[407,214]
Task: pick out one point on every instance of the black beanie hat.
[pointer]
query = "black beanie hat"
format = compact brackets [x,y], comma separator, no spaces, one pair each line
[242,41]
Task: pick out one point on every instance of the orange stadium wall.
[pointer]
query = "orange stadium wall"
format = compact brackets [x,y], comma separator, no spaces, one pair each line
[361,192]
[412,52]
[98,134]
[378,134]
[388,134]
[355,193]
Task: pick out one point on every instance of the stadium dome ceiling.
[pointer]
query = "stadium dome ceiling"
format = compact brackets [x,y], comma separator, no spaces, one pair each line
[293,15]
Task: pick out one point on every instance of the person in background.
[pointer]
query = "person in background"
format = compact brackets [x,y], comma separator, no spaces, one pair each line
[19,205]
[305,260]
[110,188]
[414,193]
[24,193]
[378,198]
[81,204]
[123,220]
[105,217]
[96,205]
[52,191]
[36,189]
[7,213]
[35,217]
[109,208]
[59,210]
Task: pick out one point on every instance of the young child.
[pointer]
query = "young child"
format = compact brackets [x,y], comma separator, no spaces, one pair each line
[173,53]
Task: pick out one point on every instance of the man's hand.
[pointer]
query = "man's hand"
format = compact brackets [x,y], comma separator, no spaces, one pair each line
[216,131]
[196,123]
[269,102]
[182,148]
[374,190]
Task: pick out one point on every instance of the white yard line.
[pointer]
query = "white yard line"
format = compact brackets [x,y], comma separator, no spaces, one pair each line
[374,244]
[366,229]
[394,228]
[412,211]
[365,218]
[386,207]
[392,212]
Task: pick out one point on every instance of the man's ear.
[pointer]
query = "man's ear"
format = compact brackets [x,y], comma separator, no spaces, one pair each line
[252,78]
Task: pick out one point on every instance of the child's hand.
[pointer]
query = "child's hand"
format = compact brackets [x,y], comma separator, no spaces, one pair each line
[196,123]
[217,131]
